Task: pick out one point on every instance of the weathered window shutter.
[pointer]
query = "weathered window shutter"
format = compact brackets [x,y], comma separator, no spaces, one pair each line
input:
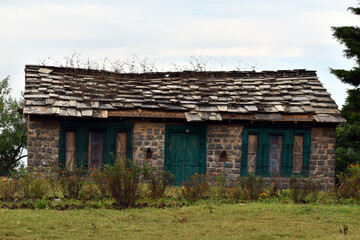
[70,150]
[252,153]
[121,145]
[298,150]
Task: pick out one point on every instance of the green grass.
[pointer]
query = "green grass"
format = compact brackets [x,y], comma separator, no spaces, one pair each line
[204,221]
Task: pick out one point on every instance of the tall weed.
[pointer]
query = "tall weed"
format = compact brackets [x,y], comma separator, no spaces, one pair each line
[301,190]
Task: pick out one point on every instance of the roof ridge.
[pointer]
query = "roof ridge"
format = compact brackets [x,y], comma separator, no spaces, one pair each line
[166,74]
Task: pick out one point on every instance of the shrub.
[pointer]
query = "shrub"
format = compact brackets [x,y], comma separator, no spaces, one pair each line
[123,181]
[157,181]
[101,186]
[8,189]
[246,188]
[220,179]
[301,190]
[349,182]
[71,183]
[252,187]
[275,188]
[195,187]
[38,188]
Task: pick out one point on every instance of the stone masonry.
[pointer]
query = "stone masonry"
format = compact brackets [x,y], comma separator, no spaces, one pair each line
[43,141]
[222,138]
[322,156]
[151,136]
[44,132]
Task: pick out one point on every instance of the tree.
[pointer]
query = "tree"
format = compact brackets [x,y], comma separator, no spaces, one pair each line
[348,134]
[13,129]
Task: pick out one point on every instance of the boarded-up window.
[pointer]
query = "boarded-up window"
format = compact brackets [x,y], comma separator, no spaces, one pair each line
[95,149]
[121,145]
[70,150]
[252,153]
[275,148]
[298,154]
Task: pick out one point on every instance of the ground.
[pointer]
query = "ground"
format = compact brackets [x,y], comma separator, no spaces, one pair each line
[224,221]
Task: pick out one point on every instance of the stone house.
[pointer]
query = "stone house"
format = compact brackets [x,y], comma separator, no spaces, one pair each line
[270,123]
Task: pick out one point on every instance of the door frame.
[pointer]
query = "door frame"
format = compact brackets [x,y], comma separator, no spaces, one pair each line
[183,129]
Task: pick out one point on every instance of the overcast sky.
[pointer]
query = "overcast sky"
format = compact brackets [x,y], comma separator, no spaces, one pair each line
[272,34]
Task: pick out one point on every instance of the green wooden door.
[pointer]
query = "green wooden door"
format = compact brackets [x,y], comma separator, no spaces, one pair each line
[184,149]
[176,165]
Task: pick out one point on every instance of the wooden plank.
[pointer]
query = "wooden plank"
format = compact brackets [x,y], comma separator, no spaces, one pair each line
[145,113]
[252,153]
[70,150]
[298,154]
[121,145]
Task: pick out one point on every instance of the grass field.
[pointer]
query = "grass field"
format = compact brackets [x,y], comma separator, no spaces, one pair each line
[226,221]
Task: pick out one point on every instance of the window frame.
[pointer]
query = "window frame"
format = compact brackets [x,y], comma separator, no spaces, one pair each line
[82,130]
[262,166]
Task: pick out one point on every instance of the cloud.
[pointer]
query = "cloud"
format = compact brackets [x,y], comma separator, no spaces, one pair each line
[278,33]
[246,51]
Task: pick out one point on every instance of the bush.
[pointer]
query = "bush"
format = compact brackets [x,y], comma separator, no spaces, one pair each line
[252,187]
[38,188]
[71,183]
[101,186]
[195,187]
[300,191]
[8,189]
[349,182]
[275,188]
[157,181]
[23,185]
[123,181]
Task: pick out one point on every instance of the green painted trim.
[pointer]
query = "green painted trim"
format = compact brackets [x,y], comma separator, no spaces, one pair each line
[82,140]
[286,153]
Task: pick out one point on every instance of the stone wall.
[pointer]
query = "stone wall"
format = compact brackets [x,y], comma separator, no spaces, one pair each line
[322,156]
[148,135]
[222,138]
[43,148]
[43,142]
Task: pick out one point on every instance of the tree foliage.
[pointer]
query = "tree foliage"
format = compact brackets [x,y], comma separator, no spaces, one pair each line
[350,37]
[348,135]
[347,145]
[13,129]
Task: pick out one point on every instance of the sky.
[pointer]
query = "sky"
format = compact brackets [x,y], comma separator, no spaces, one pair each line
[268,34]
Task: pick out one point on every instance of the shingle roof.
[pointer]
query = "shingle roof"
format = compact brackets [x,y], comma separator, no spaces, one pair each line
[199,96]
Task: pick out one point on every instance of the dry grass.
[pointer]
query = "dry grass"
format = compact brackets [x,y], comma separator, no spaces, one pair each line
[240,221]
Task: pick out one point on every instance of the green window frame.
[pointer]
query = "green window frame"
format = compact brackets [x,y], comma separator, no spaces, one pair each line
[82,131]
[287,146]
